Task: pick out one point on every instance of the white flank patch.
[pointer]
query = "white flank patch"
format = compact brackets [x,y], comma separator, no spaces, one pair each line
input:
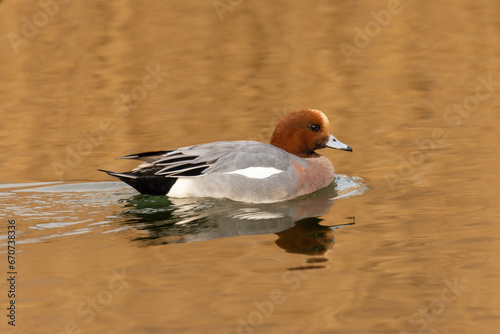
[257,172]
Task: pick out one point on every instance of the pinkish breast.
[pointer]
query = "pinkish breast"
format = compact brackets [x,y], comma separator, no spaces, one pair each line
[318,175]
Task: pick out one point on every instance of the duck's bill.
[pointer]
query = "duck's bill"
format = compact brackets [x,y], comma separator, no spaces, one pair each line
[337,144]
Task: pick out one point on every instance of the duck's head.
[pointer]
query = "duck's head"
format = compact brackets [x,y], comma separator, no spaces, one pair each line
[304,131]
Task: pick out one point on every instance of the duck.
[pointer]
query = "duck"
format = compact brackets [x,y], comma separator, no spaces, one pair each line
[244,171]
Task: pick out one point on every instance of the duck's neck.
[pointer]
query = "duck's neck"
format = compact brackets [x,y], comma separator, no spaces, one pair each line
[292,144]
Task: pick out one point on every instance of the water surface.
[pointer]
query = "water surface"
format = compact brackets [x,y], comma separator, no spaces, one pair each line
[408,245]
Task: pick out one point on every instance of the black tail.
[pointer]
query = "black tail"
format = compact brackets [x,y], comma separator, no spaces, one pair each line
[145,184]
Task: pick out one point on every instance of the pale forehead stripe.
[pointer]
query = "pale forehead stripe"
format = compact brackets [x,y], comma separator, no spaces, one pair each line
[323,116]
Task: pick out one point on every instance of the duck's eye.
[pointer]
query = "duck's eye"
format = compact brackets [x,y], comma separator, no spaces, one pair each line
[314,127]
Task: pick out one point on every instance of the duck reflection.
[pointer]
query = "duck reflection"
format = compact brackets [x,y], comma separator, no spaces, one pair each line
[296,222]
[308,237]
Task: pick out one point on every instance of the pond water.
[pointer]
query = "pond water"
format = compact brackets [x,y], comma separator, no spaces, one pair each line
[405,240]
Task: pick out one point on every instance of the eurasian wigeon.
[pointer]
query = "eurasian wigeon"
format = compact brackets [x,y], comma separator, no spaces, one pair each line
[246,171]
